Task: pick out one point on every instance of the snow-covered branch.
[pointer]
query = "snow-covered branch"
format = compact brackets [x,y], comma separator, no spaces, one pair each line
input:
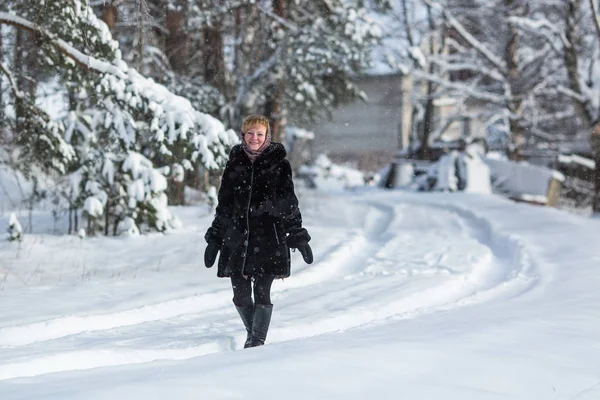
[65,48]
[11,81]
[292,27]
[464,33]
[459,65]
[596,18]
[149,23]
[172,117]
[459,87]
[572,94]
[262,69]
[542,27]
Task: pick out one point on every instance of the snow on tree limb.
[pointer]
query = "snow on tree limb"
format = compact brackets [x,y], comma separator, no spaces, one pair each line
[540,26]
[460,87]
[11,81]
[464,33]
[596,18]
[571,93]
[77,56]
[173,117]
[458,65]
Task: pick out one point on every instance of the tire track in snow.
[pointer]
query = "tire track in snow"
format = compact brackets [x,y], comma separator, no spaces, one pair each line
[509,272]
[353,247]
[345,257]
[351,255]
[88,359]
[28,334]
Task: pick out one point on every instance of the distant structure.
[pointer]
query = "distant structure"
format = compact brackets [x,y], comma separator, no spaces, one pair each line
[371,132]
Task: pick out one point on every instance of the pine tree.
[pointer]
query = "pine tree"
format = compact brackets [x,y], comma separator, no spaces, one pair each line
[117,119]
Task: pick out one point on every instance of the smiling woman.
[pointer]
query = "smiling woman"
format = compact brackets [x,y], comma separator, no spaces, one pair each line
[257,221]
[256,135]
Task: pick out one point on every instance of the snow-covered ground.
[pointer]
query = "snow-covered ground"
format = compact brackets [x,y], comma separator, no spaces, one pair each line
[411,296]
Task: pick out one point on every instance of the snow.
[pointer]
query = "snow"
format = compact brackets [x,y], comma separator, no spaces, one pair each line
[15,230]
[575,159]
[521,180]
[332,177]
[431,295]
[447,178]
[299,133]
[128,227]
[174,117]
[93,207]
[477,175]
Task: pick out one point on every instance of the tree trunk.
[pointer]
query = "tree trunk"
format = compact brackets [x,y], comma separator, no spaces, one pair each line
[571,59]
[274,109]
[595,144]
[142,9]
[19,66]
[27,71]
[2,110]
[177,40]
[109,16]
[214,65]
[106,219]
[424,152]
[517,133]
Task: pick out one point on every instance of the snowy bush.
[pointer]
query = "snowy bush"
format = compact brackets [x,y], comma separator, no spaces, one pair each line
[15,231]
[125,188]
[128,227]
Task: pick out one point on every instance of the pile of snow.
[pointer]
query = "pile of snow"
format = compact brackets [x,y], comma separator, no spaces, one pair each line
[462,171]
[456,171]
[324,174]
[521,180]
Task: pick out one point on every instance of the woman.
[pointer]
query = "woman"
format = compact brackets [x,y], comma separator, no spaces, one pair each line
[257,221]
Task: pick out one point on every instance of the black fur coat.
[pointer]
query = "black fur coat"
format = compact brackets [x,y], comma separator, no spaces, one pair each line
[257,219]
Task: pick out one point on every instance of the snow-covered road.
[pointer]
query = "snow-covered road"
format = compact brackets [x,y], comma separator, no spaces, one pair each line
[394,274]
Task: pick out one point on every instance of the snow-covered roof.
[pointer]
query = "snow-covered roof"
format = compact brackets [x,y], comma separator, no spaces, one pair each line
[521,180]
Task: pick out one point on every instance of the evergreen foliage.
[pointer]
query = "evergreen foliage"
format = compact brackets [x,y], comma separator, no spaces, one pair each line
[116,119]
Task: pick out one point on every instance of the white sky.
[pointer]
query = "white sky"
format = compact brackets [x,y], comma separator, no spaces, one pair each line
[412,296]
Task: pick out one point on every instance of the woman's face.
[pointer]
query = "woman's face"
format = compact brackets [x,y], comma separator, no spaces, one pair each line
[255,136]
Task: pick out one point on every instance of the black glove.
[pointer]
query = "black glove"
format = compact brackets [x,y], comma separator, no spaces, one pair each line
[306,252]
[210,254]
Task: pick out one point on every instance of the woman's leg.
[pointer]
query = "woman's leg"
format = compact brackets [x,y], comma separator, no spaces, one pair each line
[242,291]
[262,289]
[242,299]
[262,309]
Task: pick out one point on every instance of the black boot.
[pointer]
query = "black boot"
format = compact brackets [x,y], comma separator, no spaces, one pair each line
[260,324]
[247,315]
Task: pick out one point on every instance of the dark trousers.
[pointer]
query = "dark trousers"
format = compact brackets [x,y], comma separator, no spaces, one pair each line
[242,290]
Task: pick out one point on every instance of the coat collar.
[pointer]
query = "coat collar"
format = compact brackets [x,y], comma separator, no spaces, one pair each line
[272,154]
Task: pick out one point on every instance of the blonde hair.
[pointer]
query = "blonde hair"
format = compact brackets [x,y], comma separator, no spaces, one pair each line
[256,120]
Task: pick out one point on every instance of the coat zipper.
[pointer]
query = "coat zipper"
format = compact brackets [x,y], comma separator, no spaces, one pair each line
[248,219]
[276,235]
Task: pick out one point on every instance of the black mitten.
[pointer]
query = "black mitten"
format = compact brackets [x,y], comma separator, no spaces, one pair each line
[306,252]
[210,254]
